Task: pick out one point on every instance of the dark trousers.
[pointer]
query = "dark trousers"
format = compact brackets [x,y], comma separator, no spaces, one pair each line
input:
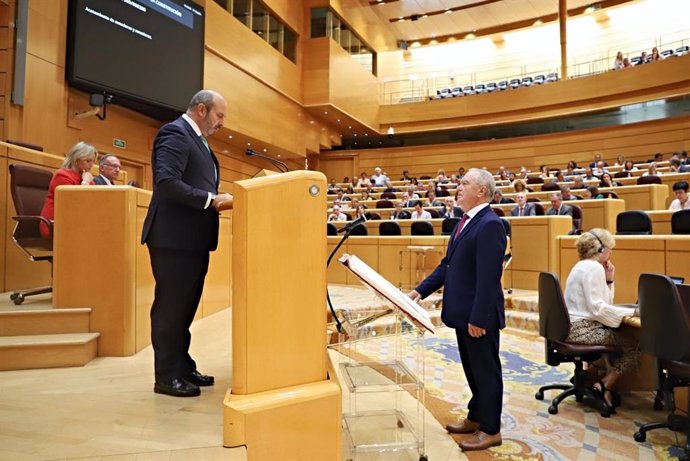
[482,367]
[179,276]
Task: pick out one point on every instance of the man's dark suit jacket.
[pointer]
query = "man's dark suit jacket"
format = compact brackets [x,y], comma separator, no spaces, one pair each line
[471,275]
[185,171]
[100,180]
[530,210]
[562,211]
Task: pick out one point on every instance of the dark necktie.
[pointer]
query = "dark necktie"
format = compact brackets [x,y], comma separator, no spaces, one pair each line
[203,140]
[522,211]
[461,224]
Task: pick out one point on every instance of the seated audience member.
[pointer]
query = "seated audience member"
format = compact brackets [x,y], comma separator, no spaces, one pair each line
[349,190]
[419,212]
[75,170]
[629,166]
[600,169]
[681,201]
[450,209]
[588,176]
[336,214]
[607,181]
[597,159]
[544,172]
[652,170]
[332,186]
[399,213]
[340,194]
[592,192]
[365,195]
[675,166]
[360,211]
[499,198]
[109,168]
[578,183]
[620,160]
[683,156]
[559,177]
[441,177]
[656,56]
[557,206]
[378,178]
[354,203]
[589,294]
[390,188]
[658,157]
[346,180]
[520,185]
[523,208]
[572,165]
[626,63]
[431,199]
[565,193]
[405,176]
[523,173]
[511,177]
[644,58]
[461,172]
[363,180]
[618,62]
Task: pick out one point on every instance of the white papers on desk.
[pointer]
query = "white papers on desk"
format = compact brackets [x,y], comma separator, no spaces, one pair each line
[399,300]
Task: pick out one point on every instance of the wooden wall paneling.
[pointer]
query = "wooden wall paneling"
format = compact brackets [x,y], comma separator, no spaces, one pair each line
[144,282]
[632,256]
[366,249]
[257,110]
[352,87]
[677,252]
[530,151]
[661,222]
[6,223]
[218,287]
[566,97]
[316,71]
[241,47]
[340,167]
[394,261]
[47,33]
[336,272]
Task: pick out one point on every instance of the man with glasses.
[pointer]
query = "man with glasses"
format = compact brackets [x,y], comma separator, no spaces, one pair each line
[109,166]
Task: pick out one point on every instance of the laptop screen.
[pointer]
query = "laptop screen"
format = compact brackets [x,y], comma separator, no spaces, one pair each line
[677,280]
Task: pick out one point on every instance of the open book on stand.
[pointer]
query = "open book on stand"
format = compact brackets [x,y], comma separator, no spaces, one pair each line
[382,287]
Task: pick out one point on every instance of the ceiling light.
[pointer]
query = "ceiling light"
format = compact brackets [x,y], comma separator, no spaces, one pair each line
[448,11]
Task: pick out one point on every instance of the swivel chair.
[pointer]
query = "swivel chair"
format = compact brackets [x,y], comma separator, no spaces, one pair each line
[554,326]
[666,336]
[29,187]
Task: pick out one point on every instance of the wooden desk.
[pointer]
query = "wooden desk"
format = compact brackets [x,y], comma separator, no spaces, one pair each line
[661,221]
[99,263]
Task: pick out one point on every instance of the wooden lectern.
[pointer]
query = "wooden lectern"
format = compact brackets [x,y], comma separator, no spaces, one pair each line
[285,400]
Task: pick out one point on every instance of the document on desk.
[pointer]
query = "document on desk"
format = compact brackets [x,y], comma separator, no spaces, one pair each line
[382,287]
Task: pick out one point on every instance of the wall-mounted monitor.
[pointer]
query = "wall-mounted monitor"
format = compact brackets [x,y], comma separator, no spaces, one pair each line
[148,54]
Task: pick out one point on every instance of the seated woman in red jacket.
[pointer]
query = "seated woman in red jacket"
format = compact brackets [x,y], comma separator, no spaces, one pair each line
[76,170]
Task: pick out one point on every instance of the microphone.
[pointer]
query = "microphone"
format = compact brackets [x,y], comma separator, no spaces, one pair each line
[348,227]
[280,165]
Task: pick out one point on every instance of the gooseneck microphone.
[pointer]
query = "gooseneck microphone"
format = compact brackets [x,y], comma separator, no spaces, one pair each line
[282,166]
[352,224]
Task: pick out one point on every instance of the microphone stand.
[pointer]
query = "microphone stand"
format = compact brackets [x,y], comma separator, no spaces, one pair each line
[348,230]
[282,166]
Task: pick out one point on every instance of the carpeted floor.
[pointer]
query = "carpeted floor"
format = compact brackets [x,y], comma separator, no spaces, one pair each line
[529,431]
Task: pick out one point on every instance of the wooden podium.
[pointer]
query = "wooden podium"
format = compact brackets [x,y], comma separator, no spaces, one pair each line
[285,400]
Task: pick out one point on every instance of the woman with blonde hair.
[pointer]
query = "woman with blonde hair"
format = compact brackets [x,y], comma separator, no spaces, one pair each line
[594,319]
[76,170]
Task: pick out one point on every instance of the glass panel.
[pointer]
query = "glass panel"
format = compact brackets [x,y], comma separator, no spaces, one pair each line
[354,45]
[224,4]
[345,36]
[290,44]
[275,33]
[318,22]
[240,9]
[335,27]
[259,19]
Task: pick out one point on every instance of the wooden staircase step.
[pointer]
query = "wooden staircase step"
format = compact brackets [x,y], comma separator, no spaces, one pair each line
[47,351]
[525,321]
[22,322]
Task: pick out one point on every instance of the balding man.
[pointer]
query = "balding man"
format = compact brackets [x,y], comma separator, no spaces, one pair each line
[109,167]
[470,274]
[180,230]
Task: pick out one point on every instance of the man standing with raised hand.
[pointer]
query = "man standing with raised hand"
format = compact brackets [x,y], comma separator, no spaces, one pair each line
[473,305]
[180,230]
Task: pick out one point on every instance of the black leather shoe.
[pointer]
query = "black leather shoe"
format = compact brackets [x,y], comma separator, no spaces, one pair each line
[200,380]
[177,388]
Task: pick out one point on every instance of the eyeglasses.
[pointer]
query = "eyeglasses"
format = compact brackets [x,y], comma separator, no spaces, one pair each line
[118,167]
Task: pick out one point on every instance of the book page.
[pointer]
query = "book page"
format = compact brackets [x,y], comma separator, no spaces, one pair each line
[399,300]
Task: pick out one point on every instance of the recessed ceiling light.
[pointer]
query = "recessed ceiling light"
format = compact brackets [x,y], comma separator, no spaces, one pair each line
[448,11]
[249,144]
[265,150]
[338,120]
[230,137]
[325,112]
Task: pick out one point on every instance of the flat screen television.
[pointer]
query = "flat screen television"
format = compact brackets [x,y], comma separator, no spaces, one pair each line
[147,54]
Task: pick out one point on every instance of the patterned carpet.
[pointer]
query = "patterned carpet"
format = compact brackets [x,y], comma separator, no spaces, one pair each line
[529,431]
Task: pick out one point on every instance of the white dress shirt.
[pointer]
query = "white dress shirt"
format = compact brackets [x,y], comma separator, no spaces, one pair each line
[423,215]
[588,296]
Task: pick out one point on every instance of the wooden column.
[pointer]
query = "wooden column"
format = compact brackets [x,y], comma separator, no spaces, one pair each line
[562,25]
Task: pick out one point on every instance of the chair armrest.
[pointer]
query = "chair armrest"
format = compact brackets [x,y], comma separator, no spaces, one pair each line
[40,219]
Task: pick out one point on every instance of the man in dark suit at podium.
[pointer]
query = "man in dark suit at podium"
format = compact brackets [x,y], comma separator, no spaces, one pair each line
[470,274]
[180,230]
